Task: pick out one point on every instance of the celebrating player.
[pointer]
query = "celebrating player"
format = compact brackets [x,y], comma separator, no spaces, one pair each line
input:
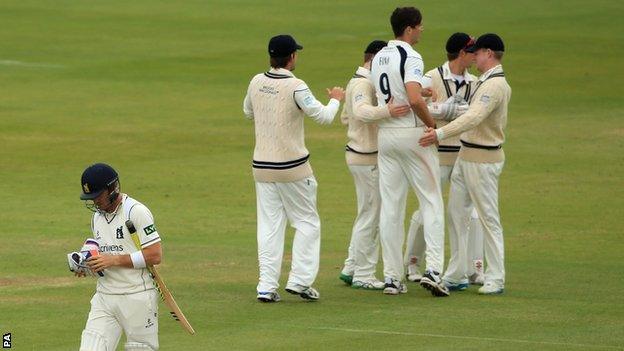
[474,181]
[125,298]
[452,83]
[397,73]
[360,113]
[277,101]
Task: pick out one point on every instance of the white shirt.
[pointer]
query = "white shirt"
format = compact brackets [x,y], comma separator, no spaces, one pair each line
[389,83]
[114,238]
[305,100]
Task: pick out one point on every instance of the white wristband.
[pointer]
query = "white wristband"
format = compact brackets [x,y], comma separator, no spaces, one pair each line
[138,261]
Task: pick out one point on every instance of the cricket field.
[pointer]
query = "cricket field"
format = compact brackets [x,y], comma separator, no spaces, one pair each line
[155,88]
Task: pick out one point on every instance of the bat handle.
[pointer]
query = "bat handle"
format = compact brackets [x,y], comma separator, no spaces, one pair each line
[130,227]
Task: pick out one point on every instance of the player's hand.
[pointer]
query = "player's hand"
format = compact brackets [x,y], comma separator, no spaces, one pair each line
[397,110]
[336,93]
[429,138]
[426,92]
[101,262]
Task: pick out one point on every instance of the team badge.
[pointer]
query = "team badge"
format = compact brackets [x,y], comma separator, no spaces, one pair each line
[85,186]
[120,233]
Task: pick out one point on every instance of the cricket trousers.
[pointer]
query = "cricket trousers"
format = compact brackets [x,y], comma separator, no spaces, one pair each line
[404,163]
[364,245]
[415,247]
[277,204]
[475,184]
[134,314]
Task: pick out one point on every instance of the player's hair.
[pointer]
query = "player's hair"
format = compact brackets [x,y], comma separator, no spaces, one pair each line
[498,55]
[404,17]
[452,55]
[280,62]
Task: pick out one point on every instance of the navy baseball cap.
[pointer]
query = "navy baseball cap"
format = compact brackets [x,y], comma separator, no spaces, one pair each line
[490,41]
[95,179]
[283,45]
[460,41]
[375,46]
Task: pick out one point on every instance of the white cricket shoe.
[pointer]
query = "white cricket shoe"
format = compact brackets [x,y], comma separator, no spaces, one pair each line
[490,288]
[268,296]
[305,292]
[413,273]
[394,287]
[431,281]
[368,284]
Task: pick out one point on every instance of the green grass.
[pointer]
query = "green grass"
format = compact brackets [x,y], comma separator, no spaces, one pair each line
[155,88]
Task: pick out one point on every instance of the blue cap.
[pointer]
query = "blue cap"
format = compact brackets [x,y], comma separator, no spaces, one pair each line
[97,178]
[283,45]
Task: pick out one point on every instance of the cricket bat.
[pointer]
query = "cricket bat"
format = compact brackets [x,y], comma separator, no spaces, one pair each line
[165,293]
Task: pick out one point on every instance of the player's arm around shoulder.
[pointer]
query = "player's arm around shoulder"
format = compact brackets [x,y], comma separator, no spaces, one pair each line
[363,103]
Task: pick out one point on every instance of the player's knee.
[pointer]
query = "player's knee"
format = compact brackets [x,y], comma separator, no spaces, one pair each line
[309,228]
[138,346]
[93,341]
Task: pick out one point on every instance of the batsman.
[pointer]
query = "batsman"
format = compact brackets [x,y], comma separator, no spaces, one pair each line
[125,299]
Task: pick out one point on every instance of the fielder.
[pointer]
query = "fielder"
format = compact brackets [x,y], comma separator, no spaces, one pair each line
[360,113]
[474,181]
[125,298]
[277,101]
[397,73]
[450,82]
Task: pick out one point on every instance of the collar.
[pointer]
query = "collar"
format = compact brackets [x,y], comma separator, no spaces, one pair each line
[111,215]
[448,75]
[281,71]
[496,69]
[402,43]
[364,72]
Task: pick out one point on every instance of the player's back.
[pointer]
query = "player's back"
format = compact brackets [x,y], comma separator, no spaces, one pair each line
[391,68]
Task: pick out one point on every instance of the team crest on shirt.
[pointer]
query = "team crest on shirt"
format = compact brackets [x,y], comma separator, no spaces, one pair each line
[485,99]
[149,323]
[359,97]
[417,72]
[119,233]
[308,100]
[149,229]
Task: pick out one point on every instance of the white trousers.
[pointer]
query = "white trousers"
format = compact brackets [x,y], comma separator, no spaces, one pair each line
[364,245]
[415,248]
[404,163]
[134,314]
[475,184]
[278,203]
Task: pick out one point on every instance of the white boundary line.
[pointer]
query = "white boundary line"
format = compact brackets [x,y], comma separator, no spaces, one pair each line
[471,338]
[27,64]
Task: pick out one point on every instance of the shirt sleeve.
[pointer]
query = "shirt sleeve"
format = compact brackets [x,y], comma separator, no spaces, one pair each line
[483,103]
[144,223]
[312,107]
[426,80]
[364,109]
[247,107]
[414,68]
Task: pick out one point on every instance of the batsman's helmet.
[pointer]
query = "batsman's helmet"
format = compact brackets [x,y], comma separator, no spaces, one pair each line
[96,179]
